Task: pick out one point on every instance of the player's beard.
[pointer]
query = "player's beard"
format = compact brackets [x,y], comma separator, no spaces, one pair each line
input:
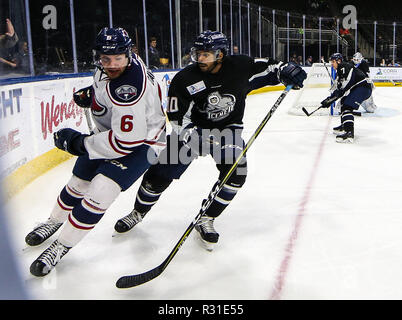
[114,73]
[205,68]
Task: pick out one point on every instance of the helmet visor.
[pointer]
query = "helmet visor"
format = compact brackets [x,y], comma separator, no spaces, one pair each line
[204,56]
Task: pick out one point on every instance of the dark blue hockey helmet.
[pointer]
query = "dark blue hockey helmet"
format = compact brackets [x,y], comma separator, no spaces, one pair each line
[111,41]
[210,41]
[336,56]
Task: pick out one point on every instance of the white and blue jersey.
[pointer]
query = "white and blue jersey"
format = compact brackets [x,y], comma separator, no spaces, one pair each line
[127,111]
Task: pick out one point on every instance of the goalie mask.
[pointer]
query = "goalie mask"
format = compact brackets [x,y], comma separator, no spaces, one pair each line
[357,58]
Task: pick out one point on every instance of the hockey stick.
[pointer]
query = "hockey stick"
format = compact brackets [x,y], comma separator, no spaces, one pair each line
[310,113]
[88,117]
[137,279]
[332,80]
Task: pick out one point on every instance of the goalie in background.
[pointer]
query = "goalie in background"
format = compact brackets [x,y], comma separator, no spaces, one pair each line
[362,64]
[352,87]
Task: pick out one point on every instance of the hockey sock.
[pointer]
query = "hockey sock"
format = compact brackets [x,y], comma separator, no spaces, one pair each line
[84,216]
[222,200]
[145,199]
[347,119]
[69,197]
[148,194]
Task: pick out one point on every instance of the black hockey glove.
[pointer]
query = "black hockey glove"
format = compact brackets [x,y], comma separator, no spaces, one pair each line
[83,97]
[291,73]
[71,141]
[328,101]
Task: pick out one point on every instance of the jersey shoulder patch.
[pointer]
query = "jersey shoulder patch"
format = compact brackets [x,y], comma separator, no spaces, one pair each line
[129,88]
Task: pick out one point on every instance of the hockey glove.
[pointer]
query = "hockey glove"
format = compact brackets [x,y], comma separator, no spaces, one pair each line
[70,141]
[83,97]
[328,101]
[291,73]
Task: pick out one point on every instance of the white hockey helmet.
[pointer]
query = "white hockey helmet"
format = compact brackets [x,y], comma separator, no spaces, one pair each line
[357,58]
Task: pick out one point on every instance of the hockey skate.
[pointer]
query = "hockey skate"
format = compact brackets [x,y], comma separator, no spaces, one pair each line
[42,232]
[347,137]
[208,235]
[128,222]
[338,130]
[48,259]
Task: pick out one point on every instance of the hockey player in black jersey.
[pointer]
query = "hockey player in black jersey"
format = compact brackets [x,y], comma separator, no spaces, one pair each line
[206,103]
[352,87]
[363,65]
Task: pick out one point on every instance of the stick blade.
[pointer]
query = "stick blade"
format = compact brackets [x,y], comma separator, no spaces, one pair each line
[305,111]
[130,281]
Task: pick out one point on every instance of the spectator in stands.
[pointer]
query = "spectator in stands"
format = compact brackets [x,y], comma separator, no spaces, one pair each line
[383,63]
[300,60]
[236,50]
[21,58]
[7,63]
[153,54]
[393,64]
[186,60]
[10,38]
[134,49]
[309,61]
[7,43]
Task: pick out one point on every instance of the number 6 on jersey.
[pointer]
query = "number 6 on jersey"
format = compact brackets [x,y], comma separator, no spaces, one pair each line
[126,123]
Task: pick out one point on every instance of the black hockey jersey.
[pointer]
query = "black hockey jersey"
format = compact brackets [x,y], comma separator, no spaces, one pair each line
[217,100]
[348,77]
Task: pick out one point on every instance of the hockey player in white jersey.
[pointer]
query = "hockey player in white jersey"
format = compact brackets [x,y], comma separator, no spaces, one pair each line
[126,106]
[362,64]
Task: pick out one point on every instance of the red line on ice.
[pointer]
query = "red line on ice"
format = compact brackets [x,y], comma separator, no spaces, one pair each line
[281,276]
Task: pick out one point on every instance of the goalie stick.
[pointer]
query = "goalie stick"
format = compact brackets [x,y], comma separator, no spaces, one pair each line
[138,279]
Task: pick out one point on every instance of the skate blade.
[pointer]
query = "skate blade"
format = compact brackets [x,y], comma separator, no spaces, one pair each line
[116,234]
[26,248]
[337,132]
[348,140]
[209,246]
[29,248]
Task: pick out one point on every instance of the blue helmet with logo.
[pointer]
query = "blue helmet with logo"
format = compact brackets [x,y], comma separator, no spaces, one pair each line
[111,41]
[210,41]
[336,56]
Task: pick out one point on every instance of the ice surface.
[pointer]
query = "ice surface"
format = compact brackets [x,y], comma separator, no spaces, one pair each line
[315,219]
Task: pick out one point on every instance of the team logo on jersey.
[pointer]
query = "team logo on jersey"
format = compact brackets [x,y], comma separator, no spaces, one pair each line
[196,87]
[126,92]
[219,106]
